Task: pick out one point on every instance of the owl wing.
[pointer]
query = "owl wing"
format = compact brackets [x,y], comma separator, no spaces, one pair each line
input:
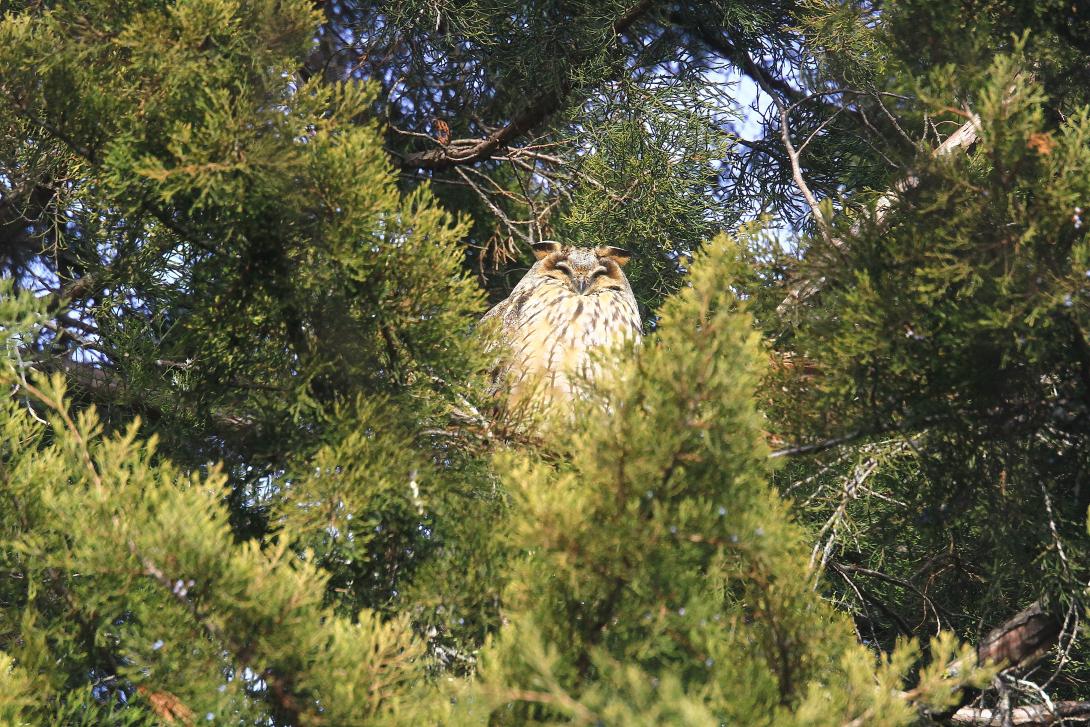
[496,310]
[508,318]
[497,316]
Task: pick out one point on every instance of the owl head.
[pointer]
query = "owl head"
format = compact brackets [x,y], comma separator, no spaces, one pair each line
[585,270]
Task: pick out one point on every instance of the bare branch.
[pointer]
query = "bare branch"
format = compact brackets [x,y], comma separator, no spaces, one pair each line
[792,153]
[493,207]
[824,445]
[965,136]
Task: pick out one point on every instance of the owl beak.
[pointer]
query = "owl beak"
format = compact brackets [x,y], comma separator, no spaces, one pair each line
[580,285]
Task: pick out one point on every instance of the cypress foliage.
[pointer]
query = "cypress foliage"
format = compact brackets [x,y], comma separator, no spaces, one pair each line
[651,577]
[250,471]
[261,293]
[943,363]
[659,579]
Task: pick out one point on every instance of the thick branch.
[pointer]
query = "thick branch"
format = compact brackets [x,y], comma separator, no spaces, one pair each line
[1022,639]
[1035,715]
[1016,643]
[466,151]
[816,447]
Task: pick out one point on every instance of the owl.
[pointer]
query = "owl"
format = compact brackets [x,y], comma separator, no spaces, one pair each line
[573,303]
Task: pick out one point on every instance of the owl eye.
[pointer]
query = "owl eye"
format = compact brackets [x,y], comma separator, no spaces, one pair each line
[563,266]
[598,271]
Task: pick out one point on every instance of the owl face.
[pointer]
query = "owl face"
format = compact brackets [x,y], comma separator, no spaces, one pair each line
[584,270]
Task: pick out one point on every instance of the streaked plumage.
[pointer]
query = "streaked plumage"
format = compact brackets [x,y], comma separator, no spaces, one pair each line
[573,302]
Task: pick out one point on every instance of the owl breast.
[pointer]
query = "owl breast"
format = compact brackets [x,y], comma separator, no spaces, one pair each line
[557,336]
[571,306]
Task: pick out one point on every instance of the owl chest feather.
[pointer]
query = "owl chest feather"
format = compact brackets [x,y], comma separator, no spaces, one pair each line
[558,331]
[570,307]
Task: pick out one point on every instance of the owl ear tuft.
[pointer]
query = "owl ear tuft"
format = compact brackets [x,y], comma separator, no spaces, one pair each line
[619,255]
[545,248]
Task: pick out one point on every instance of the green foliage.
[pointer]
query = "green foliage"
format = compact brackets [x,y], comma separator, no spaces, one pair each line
[648,183]
[234,259]
[941,370]
[253,272]
[653,577]
[251,266]
[658,579]
[257,224]
[983,269]
[372,510]
[189,621]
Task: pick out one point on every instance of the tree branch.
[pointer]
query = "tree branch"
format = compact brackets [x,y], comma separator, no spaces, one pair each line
[883,428]
[108,387]
[963,138]
[1035,715]
[470,151]
[1022,639]
[721,45]
[793,154]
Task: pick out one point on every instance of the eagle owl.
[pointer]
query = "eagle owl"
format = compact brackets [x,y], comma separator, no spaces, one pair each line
[574,302]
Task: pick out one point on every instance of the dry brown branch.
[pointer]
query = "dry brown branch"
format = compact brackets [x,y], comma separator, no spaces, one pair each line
[1022,639]
[1016,643]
